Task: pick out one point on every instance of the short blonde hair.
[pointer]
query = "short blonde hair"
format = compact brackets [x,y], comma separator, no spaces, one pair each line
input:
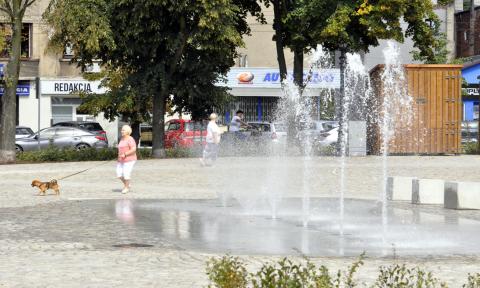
[213,116]
[128,129]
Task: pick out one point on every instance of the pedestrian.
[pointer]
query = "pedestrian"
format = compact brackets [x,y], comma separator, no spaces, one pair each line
[236,123]
[213,139]
[127,155]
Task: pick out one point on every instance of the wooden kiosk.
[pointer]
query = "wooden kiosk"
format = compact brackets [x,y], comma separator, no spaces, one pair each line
[437,111]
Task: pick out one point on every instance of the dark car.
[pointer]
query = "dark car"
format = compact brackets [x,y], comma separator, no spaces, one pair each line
[90,126]
[23,131]
[61,137]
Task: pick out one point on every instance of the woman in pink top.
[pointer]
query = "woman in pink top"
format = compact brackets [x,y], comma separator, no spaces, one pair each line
[126,157]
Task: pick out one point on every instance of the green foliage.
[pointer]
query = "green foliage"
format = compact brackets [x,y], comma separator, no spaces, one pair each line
[229,272]
[445,2]
[473,281]
[470,148]
[399,276]
[53,154]
[171,51]
[440,51]
[226,272]
[356,25]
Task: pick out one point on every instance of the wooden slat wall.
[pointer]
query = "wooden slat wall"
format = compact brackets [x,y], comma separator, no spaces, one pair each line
[436,111]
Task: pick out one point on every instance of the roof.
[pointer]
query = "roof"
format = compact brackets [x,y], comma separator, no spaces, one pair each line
[77,122]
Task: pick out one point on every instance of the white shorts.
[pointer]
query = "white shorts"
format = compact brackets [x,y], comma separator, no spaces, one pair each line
[125,169]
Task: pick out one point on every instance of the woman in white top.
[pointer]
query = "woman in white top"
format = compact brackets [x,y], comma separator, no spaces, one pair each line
[213,139]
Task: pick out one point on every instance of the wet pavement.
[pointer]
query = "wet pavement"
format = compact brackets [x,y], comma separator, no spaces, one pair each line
[206,226]
[162,233]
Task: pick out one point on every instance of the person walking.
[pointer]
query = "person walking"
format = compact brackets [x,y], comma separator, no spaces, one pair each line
[127,155]
[213,139]
[236,123]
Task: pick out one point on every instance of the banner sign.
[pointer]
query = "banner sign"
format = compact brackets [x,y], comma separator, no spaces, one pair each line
[63,87]
[22,90]
[270,78]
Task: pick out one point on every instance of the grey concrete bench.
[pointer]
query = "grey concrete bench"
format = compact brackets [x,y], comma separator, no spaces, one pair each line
[462,195]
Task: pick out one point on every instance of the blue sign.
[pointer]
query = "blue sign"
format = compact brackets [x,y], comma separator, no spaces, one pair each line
[22,90]
[315,77]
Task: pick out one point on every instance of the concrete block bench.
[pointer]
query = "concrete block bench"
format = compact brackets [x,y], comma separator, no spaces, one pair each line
[462,195]
[399,188]
[428,191]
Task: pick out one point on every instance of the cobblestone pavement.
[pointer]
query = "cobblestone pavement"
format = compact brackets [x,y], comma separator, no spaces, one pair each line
[40,247]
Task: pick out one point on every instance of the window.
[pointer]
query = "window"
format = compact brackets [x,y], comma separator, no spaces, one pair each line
[24,131]
[26,52]
[194,126]
[63,132]
[68,52]
[91,126]
[174,126]
[47,133]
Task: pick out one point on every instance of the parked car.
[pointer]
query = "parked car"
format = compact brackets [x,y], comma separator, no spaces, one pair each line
[328,138]
[314,129]
[61,137]
[469,131]
[184,133]
[22,132]
[90,126]
[257,138]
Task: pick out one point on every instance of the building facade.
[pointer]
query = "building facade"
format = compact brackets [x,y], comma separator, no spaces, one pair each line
[54,96]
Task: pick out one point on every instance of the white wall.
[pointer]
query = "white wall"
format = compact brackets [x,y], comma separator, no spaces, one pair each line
[28,110]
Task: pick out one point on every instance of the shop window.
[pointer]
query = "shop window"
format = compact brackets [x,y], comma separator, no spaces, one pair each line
[6,30]
[68,52]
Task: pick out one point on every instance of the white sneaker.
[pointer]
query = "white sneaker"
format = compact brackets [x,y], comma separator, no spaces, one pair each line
[125,190]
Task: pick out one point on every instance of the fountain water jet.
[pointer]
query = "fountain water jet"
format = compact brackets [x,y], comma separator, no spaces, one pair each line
[395,110]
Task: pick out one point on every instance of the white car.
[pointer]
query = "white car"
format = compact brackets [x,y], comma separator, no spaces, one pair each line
[22,132]
[328,138]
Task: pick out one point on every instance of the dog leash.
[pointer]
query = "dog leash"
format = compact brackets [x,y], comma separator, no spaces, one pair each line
[84,170]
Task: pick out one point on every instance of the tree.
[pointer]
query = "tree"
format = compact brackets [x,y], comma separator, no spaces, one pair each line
[350,26]
[160,42]
[129,102]
[15,11]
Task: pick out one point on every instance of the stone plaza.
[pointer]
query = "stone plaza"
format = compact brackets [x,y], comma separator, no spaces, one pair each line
[83,238]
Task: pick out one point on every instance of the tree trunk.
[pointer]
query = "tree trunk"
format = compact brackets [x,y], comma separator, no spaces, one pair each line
[292,121]
[8,100]
[158,125]
[136,131]
[298,68]
[278,27]
[471,31]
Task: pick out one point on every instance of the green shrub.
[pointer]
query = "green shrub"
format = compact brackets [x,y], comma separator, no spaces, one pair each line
[53,154]
[226,272]
[400,276]
[230,272]
[473,281]
[470,148]
[287,274]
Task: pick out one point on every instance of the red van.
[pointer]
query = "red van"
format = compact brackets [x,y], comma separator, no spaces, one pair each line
[184,133]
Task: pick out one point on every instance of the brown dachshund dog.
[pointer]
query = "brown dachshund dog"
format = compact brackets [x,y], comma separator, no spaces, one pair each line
[44,186]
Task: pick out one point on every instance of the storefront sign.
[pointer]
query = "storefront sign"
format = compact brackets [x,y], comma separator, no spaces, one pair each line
[22,90]
[62,87]
[471,91]
[270,78]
